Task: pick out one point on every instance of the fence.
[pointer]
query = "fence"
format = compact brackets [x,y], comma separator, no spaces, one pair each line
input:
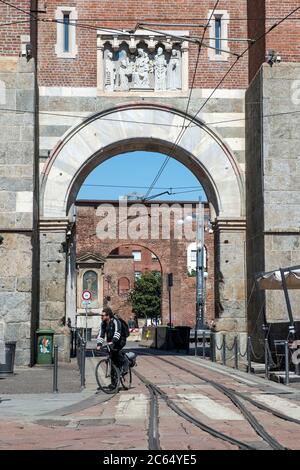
[232,353]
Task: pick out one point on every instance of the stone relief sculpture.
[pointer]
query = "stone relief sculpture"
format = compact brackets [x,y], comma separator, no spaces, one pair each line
[159,70]
[174,72]
[110,72]
[141,70]
[124,71]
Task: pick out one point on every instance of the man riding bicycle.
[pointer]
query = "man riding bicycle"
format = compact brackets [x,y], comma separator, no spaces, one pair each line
[111,327]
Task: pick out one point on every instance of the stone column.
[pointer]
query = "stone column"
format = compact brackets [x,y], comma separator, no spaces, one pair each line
[230,275]
[53,280]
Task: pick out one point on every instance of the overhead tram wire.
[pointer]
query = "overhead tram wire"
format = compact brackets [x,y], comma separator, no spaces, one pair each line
[167,159]
[269,30]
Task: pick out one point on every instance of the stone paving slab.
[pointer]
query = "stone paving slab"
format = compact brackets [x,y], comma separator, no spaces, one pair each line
[39,379]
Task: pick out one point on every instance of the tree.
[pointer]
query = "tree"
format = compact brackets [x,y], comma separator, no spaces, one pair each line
[146,295]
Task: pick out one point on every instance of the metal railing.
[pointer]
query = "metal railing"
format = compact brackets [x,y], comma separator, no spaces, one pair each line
[245,357]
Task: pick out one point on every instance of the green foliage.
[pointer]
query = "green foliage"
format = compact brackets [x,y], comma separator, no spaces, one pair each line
[192,273]
[146,295]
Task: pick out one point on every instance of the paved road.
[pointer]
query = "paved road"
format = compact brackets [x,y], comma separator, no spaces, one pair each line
[88,420]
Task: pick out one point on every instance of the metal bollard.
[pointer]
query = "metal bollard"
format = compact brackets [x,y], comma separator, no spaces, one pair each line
[212,348]
[55,369]
[266,360]
[249,354]
[196,342]
[287,364]
[224,351]
[82,365]
[203,344]
[236,353]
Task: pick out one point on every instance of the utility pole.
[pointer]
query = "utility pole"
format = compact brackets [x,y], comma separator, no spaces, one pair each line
[200,268]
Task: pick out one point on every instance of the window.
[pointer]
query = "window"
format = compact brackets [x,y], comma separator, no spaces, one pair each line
[137,255]
[66,47]
[154,257]
[66,32]
[137,275]
[218,35]
[194,256]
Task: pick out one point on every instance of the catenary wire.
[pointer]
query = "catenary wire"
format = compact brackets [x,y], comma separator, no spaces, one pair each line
[271,28]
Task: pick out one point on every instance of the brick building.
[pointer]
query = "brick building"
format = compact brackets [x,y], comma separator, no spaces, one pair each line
[126,259]
[82,81]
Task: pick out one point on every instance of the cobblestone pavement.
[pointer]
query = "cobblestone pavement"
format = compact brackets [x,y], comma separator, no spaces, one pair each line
[96,421]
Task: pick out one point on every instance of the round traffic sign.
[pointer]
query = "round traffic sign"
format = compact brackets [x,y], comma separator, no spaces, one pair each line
[86,295]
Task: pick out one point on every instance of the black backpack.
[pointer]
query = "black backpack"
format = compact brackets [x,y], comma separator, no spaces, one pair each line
[124,328]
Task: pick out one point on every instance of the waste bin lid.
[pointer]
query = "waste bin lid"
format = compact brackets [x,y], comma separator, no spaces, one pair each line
[45,331]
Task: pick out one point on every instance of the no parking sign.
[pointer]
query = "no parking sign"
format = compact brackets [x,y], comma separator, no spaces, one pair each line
[86,297]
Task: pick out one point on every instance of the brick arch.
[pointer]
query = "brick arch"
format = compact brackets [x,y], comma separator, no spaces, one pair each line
[108,250]
[141,127]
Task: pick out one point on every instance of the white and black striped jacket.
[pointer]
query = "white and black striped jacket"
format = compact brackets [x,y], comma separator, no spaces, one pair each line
[113,332]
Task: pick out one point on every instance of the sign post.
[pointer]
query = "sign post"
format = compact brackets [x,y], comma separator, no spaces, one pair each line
[86,300]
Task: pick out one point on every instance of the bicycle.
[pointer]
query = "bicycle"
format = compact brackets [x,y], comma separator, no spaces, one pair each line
[109,376]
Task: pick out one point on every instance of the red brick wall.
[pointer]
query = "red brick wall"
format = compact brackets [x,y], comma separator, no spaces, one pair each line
[116,268]
[125,15]
[285,39]
[10,34]
[172,255]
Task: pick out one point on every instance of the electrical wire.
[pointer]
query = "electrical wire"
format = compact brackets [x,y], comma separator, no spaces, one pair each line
[275,25]
[167,159]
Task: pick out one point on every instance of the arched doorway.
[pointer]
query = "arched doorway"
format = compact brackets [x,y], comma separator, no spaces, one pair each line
[155,128]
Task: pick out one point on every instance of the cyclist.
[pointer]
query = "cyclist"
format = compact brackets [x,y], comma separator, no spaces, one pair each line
[111,327]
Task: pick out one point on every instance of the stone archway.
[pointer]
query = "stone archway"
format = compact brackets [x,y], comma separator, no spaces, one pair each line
[155,128]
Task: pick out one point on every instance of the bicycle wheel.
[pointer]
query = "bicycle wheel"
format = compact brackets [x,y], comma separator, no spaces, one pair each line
[107,376]
[126,379]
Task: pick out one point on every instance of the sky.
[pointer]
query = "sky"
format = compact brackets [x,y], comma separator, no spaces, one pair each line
[137,171]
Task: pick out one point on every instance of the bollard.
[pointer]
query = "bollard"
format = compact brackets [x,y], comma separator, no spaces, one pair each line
[249,354]
[82,365]
[203,344]
[212,348]
[224,350]
[236,353]
[287,365]
[196,342]
[55,369]
[266,360]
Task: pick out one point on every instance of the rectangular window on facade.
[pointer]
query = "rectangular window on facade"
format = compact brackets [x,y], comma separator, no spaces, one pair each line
[66,32]
[218,32]
[137,255]
[193,256]
[137,274]
[66,47]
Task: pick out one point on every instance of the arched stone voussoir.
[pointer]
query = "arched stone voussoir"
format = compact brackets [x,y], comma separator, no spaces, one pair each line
[142,127]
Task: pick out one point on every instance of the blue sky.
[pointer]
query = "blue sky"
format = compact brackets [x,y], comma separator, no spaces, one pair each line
[137,170]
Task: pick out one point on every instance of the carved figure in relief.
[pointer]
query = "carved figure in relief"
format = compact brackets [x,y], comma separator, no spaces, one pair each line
[110,72]
[141,70]
[160,70]
[124,71]
[174,71]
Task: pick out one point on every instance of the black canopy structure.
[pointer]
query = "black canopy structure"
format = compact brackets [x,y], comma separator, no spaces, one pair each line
[282,279]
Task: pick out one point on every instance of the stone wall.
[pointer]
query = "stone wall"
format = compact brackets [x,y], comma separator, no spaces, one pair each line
[16,200]
[273,164]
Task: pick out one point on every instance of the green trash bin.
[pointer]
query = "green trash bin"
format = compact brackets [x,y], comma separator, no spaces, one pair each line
[45,346]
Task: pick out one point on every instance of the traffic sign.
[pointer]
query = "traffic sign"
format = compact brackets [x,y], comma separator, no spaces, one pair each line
[86,295]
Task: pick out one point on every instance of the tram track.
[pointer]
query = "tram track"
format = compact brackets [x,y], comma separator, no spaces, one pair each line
[234,398]
[158,393]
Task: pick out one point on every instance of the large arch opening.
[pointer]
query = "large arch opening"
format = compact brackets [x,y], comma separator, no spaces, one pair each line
[149,128]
